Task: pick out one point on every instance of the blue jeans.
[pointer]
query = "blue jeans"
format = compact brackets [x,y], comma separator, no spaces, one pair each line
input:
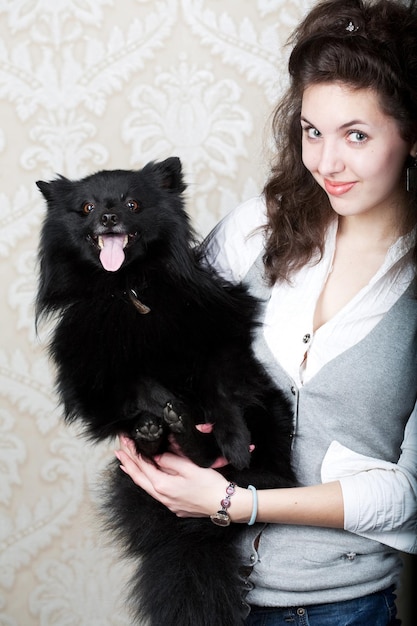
[377,609]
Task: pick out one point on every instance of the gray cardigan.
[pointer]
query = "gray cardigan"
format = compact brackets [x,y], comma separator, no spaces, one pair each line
[363,399]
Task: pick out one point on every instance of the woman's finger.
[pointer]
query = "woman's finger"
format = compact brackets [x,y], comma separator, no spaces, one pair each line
[171,463]
[127,445]
[133,467]
[205,428]
[221,461]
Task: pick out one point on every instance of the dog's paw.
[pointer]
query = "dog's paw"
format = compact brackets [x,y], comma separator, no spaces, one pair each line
[172,419]
[147,429]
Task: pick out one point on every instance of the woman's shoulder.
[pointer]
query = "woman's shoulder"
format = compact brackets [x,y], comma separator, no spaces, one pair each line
[238,240]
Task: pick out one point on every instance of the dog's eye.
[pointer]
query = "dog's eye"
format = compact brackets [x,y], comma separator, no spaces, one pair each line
[88,207]
[132,205]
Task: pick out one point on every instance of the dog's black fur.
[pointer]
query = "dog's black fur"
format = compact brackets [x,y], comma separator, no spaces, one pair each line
[154,345]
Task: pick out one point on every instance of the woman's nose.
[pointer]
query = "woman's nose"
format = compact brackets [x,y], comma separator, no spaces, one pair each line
[330,159]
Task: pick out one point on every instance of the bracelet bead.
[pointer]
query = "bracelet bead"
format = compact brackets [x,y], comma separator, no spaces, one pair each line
[221,518]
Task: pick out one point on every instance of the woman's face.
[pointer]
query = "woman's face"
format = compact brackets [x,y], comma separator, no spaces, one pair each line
[353,150]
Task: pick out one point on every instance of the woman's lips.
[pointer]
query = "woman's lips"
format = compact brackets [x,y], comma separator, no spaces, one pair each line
[337,188]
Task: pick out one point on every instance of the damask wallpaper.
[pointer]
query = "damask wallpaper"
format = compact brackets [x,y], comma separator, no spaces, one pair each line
[88,85]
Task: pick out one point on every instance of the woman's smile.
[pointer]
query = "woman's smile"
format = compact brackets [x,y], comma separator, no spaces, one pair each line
[337,188]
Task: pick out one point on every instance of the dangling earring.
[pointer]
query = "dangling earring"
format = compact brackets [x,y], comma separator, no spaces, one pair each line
[412,176]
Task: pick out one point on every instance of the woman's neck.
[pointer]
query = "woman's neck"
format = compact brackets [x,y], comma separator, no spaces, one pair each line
[365,232]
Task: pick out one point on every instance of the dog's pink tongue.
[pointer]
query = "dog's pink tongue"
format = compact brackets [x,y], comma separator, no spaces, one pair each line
[112,254]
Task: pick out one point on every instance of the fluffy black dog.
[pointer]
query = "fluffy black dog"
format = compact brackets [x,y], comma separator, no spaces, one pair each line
[150,341]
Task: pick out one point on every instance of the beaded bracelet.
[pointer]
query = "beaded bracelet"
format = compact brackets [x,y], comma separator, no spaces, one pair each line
[254,505]
[221,518]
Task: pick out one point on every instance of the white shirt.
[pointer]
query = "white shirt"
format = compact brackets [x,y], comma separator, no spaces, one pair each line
[288,324]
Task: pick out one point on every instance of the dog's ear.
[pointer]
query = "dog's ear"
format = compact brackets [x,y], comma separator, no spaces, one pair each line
[45,189]
[169,173]
[48,189]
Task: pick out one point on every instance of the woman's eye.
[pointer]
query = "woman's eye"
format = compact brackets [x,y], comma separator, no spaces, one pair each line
[132,205]
[356,136]
[311,132]
[88,207]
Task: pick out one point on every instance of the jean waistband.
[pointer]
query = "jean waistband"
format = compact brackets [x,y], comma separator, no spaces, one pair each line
[390,589]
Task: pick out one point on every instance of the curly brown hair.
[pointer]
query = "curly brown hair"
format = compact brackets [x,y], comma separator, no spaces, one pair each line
[364,44]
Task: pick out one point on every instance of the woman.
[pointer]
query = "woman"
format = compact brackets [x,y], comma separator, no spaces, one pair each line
[336,231]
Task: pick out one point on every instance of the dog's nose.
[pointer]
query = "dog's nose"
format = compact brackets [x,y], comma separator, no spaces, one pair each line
[109,219]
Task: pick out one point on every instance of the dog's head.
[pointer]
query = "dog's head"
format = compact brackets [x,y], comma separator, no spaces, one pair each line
[114,217]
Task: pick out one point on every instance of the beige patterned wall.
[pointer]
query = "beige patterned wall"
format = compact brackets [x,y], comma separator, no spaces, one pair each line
[86,85]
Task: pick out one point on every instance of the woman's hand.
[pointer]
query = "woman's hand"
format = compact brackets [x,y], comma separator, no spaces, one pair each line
[192,491]
[185,488]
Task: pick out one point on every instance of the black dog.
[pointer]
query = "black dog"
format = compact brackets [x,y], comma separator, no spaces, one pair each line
[150,341]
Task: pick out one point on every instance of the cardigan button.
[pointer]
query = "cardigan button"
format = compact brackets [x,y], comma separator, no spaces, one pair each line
[293,390]
[306,338]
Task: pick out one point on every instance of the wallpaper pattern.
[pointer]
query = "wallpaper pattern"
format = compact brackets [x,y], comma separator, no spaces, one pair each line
[88,85]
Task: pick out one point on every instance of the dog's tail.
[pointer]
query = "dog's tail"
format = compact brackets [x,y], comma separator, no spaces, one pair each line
[187,570]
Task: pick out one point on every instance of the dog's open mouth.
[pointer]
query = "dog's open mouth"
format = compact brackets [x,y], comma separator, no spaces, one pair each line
[112,252]
[112,249]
